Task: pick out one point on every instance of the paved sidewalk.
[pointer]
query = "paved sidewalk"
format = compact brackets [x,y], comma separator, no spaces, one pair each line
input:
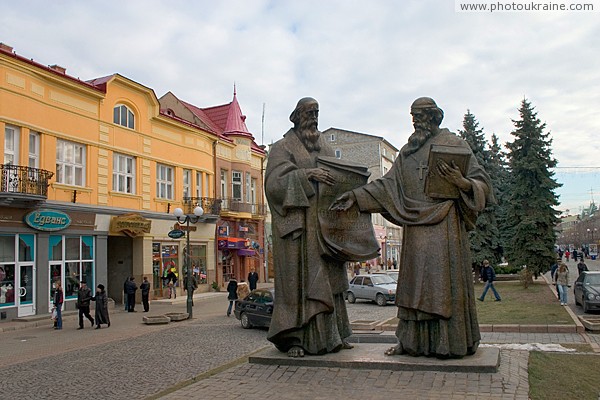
[206,358]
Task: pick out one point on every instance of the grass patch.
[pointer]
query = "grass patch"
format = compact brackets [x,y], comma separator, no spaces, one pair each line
[535,305]
[563,376]
[580,348]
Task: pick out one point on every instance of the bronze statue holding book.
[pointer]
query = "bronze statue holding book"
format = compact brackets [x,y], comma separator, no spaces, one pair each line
[434,190]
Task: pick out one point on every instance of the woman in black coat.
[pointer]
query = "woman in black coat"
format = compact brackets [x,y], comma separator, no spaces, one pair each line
[101,307]
[232,297]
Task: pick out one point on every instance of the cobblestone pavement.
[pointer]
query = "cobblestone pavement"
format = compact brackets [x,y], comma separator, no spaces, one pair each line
[205,358]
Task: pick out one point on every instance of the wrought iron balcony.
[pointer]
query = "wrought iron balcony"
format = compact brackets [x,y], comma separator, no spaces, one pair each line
[215,206]
[236,205]
[19,184]
[211,207]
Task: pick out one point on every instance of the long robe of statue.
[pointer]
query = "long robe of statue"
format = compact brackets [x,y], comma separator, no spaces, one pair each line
[435,299]
[310,311]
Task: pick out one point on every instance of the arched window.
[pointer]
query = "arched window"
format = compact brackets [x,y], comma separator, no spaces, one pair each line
[123,116]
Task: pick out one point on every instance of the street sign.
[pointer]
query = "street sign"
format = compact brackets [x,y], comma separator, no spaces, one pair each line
[176,234]
[185,228]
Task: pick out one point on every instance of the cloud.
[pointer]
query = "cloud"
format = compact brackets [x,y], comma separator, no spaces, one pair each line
[364,62]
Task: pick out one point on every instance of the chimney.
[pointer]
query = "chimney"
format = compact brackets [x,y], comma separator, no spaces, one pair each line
[58,68]
[6,47]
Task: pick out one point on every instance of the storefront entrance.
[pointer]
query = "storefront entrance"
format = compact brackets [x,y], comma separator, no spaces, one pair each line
[25,299]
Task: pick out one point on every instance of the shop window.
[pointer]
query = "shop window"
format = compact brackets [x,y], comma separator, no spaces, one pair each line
[165,257]
[7,284]
[198,261]
[72,257]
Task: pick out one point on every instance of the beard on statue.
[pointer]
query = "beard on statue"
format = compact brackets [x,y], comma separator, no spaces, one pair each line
[419,137]
[309,134]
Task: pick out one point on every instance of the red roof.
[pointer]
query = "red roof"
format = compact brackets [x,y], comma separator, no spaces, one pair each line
[7,50]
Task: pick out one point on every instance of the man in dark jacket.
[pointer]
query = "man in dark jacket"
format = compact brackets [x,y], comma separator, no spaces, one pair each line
[145,288]
[130,288]
[84,295]
[252,278]
[488,276]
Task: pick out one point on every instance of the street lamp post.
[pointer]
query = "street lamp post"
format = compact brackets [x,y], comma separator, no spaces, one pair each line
[187,219]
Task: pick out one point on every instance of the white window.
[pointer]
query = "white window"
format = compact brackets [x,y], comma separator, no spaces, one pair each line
[207,185]
[332,137]
[70,163]
[187,183]
[223,184]
[199,184]
[253,195]
[11,145]
[123,116]
[123,173]
[34,150]
[248,192]
[164,182]
[338,153]
[236,185]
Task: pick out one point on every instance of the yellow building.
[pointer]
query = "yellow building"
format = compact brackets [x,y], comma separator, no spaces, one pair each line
[91,176]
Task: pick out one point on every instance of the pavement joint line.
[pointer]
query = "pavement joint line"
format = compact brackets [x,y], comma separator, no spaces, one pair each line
[206,374]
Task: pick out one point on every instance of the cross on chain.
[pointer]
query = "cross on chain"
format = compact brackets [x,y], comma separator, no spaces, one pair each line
[422,167]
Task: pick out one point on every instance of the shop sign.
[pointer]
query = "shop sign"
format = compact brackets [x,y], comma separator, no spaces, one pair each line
[48,220]
[131,225]
[176,234]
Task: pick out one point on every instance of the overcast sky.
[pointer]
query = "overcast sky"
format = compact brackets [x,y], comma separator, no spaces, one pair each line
[364,61]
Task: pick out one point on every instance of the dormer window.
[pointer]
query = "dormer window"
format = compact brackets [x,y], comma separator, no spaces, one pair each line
[123,116]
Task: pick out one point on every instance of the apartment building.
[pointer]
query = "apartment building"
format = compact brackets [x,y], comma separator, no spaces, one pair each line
[378,155]
[92,173]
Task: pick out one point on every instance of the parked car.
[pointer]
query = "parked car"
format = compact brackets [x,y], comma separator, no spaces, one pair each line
[256,309]
[393,273]
[379,288]
[587,290]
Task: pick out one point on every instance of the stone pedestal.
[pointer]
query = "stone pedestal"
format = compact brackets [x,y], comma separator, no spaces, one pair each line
[371,356]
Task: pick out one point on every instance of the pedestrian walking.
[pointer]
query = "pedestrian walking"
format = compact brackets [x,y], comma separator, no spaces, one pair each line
[145,288]
[58,302]
[172,281]
[125,293]
[101,314]
[581,266]
[193,285]
[562,280]
[252,278]
[488,276]
[84,296]
[553,270]
[131,288]
[232,297]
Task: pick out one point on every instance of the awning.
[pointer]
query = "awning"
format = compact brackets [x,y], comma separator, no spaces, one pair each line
[246,252]
[233,243]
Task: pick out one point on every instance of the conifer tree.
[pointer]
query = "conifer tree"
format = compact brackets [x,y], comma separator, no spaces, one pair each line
[530,213]
[500,179]
[484,238]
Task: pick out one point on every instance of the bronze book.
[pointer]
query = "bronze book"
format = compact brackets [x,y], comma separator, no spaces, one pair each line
[437,187]
[344,235]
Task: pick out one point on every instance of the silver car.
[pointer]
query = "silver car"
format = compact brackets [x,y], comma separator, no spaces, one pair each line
[379,288]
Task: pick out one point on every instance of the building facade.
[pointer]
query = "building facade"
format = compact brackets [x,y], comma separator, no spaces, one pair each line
[239,166]
[91,175]
[378,155]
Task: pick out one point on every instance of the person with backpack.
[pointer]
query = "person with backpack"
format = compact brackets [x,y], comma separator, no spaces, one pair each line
[488,276]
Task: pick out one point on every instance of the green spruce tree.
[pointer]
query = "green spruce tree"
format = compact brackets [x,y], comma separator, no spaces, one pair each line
[530,213]
[485,237]
[500,179]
